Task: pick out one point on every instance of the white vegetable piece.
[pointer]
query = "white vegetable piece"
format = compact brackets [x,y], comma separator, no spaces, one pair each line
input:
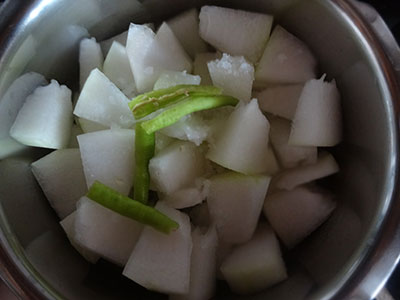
[280,100]
[242,144]
[166,53]
[90,126]
[140,37]
[235,202]
[105,232]
[272,163]
[161,262]
[286,59]
[234,75]
[73,140]
[162,141]
[202,267]
[119,38]
[68,224]
[223,251]
[200,66]
[173,78]
[176,166]
[289,156]
[90,58]
[60,175]
[190,196]
[236,32]
[191,128]
[118,70]
[295,214]
[184,198]
[14,99]
[102,102]
[256,265]
[214,120]
[289,179]
[318,118]
[108,156]
[45,119]
[186,28]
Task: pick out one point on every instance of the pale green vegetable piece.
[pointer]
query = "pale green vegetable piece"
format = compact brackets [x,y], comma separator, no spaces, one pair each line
[68,224]
[234,31]
[295,214]
[45,119]
[102,102]
[60,175]
[235,202]
[90,58]
[105,232]
[234,74]
[109,157]
[186,28]
[118,70]
[255,265]
[173,78]
[176,166]
[242,143]
[161,262]
[286,59]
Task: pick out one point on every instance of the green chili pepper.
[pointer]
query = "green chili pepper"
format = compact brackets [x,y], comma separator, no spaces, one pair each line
[147,103]
[130,208]
[185,107]
[144,151]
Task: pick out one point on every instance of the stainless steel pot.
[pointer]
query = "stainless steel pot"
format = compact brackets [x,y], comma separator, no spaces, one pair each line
[350,257]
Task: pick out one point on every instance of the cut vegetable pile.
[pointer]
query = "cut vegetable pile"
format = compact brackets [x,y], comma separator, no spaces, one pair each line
[172,165]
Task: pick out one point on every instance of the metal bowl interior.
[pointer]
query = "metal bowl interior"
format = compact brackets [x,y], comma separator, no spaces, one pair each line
[350,256]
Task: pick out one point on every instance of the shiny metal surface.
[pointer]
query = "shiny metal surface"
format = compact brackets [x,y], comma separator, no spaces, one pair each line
[350,257]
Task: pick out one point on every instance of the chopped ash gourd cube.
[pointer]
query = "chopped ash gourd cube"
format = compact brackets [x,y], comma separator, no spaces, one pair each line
[236,32]
[90,58]
[242,144]
[280,100]
[234,75]
[202,266]
[161,262]
[289,155]
[14,98]
[108,156]
[105,232]
[186,28]
[256,265]
[102,102]
[176,166]
[295,214]
[290,178]
[118,70]
[286,59]
[60,175]
[119,38]
[200,66]
[318,118]
[235,202]
[173,78]
[68,224]
[45,119]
